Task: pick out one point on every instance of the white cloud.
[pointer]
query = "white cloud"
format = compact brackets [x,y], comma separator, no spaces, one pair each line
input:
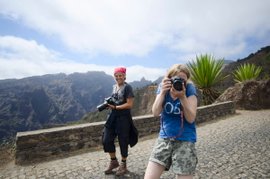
[223,28]
[21,58]
[137,27]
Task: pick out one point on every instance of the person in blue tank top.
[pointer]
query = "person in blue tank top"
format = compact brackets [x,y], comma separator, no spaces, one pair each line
[176,104]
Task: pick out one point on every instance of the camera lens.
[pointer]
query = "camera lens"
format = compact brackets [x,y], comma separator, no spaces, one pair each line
[177,83]
[101,107]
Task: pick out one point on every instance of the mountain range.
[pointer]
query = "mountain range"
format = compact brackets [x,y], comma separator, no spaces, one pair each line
[56,99]
[44,101]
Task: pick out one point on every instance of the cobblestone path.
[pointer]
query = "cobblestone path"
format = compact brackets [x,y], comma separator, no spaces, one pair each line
[233,147]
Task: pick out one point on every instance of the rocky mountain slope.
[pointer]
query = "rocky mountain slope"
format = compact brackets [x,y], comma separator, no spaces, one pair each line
[52,100]
[44,101]
[259,58]
[49,100]
[250,95]
[144,98]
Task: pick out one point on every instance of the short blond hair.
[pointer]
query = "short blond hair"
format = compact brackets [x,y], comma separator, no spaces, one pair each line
[177,68]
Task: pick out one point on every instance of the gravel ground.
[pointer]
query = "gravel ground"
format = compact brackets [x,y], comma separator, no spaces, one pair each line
[231,147]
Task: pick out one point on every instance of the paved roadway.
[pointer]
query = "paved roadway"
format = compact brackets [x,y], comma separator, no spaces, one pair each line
[232,147]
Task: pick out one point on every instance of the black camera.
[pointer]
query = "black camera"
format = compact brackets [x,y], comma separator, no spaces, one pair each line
[177,83]
[109,100]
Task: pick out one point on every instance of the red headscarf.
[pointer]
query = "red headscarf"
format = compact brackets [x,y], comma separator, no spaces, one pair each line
[120,70]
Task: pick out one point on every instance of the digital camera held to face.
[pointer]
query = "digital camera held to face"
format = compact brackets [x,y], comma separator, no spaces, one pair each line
[109,100]
[177,83]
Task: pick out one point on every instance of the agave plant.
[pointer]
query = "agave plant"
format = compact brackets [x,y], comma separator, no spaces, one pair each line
[205,73]
[246,72]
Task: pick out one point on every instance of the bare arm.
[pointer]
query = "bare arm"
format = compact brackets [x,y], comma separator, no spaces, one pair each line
[189,104]
[158,104]
[190,107]
[127,105]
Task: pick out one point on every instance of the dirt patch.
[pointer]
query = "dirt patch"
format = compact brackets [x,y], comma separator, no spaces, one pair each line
[6,155]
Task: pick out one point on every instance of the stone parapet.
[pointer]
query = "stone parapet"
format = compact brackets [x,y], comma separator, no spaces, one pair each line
[40,145]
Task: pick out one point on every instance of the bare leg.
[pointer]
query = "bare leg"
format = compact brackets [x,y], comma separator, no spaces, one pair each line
[112,155]
[124,158]
[153,170]
[184,177]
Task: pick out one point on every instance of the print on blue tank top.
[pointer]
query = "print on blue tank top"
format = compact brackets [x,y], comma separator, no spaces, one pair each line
[171,118]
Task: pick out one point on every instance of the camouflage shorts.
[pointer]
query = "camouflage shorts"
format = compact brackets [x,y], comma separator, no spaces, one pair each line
[181,155]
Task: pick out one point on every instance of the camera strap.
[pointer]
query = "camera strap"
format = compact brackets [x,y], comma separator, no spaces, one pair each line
[181,125]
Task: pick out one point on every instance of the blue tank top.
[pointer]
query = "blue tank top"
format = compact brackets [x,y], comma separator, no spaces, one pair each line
[170,126]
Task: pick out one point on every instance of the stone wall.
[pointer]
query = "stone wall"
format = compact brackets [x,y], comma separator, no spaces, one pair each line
[40,145]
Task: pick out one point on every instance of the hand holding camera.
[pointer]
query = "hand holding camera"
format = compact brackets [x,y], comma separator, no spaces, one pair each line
[107,102]
[166,85]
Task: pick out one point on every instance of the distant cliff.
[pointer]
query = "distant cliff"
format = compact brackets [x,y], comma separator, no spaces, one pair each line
[143,101]
[44,101]
[52,100]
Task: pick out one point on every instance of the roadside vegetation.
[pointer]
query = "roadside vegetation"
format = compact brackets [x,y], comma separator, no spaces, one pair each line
[206,73]
[246,72]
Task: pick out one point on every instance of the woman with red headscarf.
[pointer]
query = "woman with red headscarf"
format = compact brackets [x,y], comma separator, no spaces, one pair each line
[119,123]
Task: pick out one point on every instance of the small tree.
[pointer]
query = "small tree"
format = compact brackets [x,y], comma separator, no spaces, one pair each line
[205,73]
[246,72]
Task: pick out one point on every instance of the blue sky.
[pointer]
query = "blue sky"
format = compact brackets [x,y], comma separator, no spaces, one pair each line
[62,36]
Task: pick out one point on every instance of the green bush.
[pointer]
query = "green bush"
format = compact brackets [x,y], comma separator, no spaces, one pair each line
[246,72]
